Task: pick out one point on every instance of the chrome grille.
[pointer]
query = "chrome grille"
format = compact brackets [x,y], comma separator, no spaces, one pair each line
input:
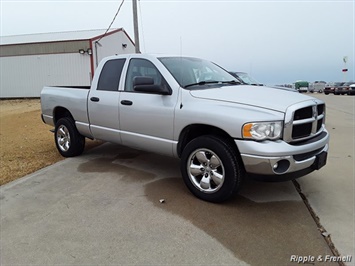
[304,120]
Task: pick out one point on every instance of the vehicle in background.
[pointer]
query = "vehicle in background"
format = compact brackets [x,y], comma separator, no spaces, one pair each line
[345,88]
[351,89]
[301,86]
[333,88]
[245,78]
[317,86]
[329,88]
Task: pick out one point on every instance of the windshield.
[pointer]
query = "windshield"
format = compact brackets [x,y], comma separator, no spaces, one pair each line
[191,72]
[246,78]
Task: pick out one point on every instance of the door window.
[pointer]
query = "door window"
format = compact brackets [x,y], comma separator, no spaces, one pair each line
[110,75]
[142,67]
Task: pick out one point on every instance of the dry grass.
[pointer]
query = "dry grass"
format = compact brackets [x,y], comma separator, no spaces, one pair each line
[26,144]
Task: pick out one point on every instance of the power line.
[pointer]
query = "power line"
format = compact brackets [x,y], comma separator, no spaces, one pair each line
[118,10]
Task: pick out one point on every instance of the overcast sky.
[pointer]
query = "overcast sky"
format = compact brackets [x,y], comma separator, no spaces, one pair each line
[274,41]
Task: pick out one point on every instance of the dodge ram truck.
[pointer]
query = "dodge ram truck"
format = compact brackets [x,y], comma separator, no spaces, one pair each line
[192,109]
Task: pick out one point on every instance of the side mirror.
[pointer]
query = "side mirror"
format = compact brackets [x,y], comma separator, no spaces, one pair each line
[141,80]
[146,84]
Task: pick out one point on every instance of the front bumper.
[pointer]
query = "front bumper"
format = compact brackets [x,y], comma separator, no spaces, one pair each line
[278,158]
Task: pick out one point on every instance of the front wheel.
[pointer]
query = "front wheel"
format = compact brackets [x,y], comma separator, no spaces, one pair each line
[211,169]
[68,140]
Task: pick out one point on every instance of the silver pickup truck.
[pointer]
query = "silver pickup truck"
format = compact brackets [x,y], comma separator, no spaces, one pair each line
[190,108]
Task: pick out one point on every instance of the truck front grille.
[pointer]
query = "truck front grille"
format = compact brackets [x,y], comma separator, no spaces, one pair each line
[301,131]
[303,113]
[304,121]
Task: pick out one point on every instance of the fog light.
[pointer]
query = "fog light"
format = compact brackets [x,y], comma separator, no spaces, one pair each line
[281,167]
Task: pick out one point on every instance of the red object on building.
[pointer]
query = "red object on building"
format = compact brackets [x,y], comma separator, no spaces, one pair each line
[345,70]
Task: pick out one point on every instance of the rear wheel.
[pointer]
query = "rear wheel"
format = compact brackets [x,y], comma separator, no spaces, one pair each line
[68,140]
[211,169]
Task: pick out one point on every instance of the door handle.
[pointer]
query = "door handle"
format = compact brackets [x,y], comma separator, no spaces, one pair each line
[94,99]
[126,102]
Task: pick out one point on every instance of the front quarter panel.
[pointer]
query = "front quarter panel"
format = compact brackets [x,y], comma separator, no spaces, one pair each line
[230,117]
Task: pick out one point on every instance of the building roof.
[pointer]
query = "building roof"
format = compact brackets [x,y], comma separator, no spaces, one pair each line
[54,36]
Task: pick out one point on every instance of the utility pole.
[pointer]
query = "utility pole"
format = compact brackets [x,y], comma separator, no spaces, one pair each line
[345,59]
[135,25]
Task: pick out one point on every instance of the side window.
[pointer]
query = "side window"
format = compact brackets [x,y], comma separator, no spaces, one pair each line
[142,67]
[110,75]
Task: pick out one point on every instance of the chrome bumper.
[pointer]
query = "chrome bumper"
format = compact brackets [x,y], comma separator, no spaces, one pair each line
[279,157]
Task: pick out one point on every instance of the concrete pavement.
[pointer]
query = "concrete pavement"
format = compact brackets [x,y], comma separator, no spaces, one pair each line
[331,190]
[104,208]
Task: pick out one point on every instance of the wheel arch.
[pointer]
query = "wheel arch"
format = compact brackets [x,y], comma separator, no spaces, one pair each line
[60,112]
[193,131]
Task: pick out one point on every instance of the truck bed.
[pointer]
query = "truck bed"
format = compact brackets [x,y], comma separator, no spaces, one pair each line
[71,98]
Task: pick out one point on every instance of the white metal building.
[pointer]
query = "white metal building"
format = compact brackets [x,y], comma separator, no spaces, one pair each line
[29,62]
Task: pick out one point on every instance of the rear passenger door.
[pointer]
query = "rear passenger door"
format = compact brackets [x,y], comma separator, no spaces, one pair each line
[103,103]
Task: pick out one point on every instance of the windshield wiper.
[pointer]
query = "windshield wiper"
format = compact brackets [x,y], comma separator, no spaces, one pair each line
[202,83]
[232,82]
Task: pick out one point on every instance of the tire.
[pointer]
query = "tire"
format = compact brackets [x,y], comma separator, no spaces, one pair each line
[68,140]
[326,93]
[211,169]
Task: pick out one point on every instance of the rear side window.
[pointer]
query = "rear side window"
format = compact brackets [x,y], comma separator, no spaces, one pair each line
[110,75]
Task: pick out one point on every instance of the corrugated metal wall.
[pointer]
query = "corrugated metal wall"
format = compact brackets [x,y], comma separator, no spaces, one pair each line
[26,68]
[25,76]
[43,48]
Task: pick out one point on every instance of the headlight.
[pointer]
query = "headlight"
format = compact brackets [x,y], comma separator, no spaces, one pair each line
[262,130]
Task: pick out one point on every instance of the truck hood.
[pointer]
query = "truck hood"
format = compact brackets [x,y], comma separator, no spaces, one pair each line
[258,96]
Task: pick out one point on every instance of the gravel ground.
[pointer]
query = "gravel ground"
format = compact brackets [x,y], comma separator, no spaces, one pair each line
[26,144]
